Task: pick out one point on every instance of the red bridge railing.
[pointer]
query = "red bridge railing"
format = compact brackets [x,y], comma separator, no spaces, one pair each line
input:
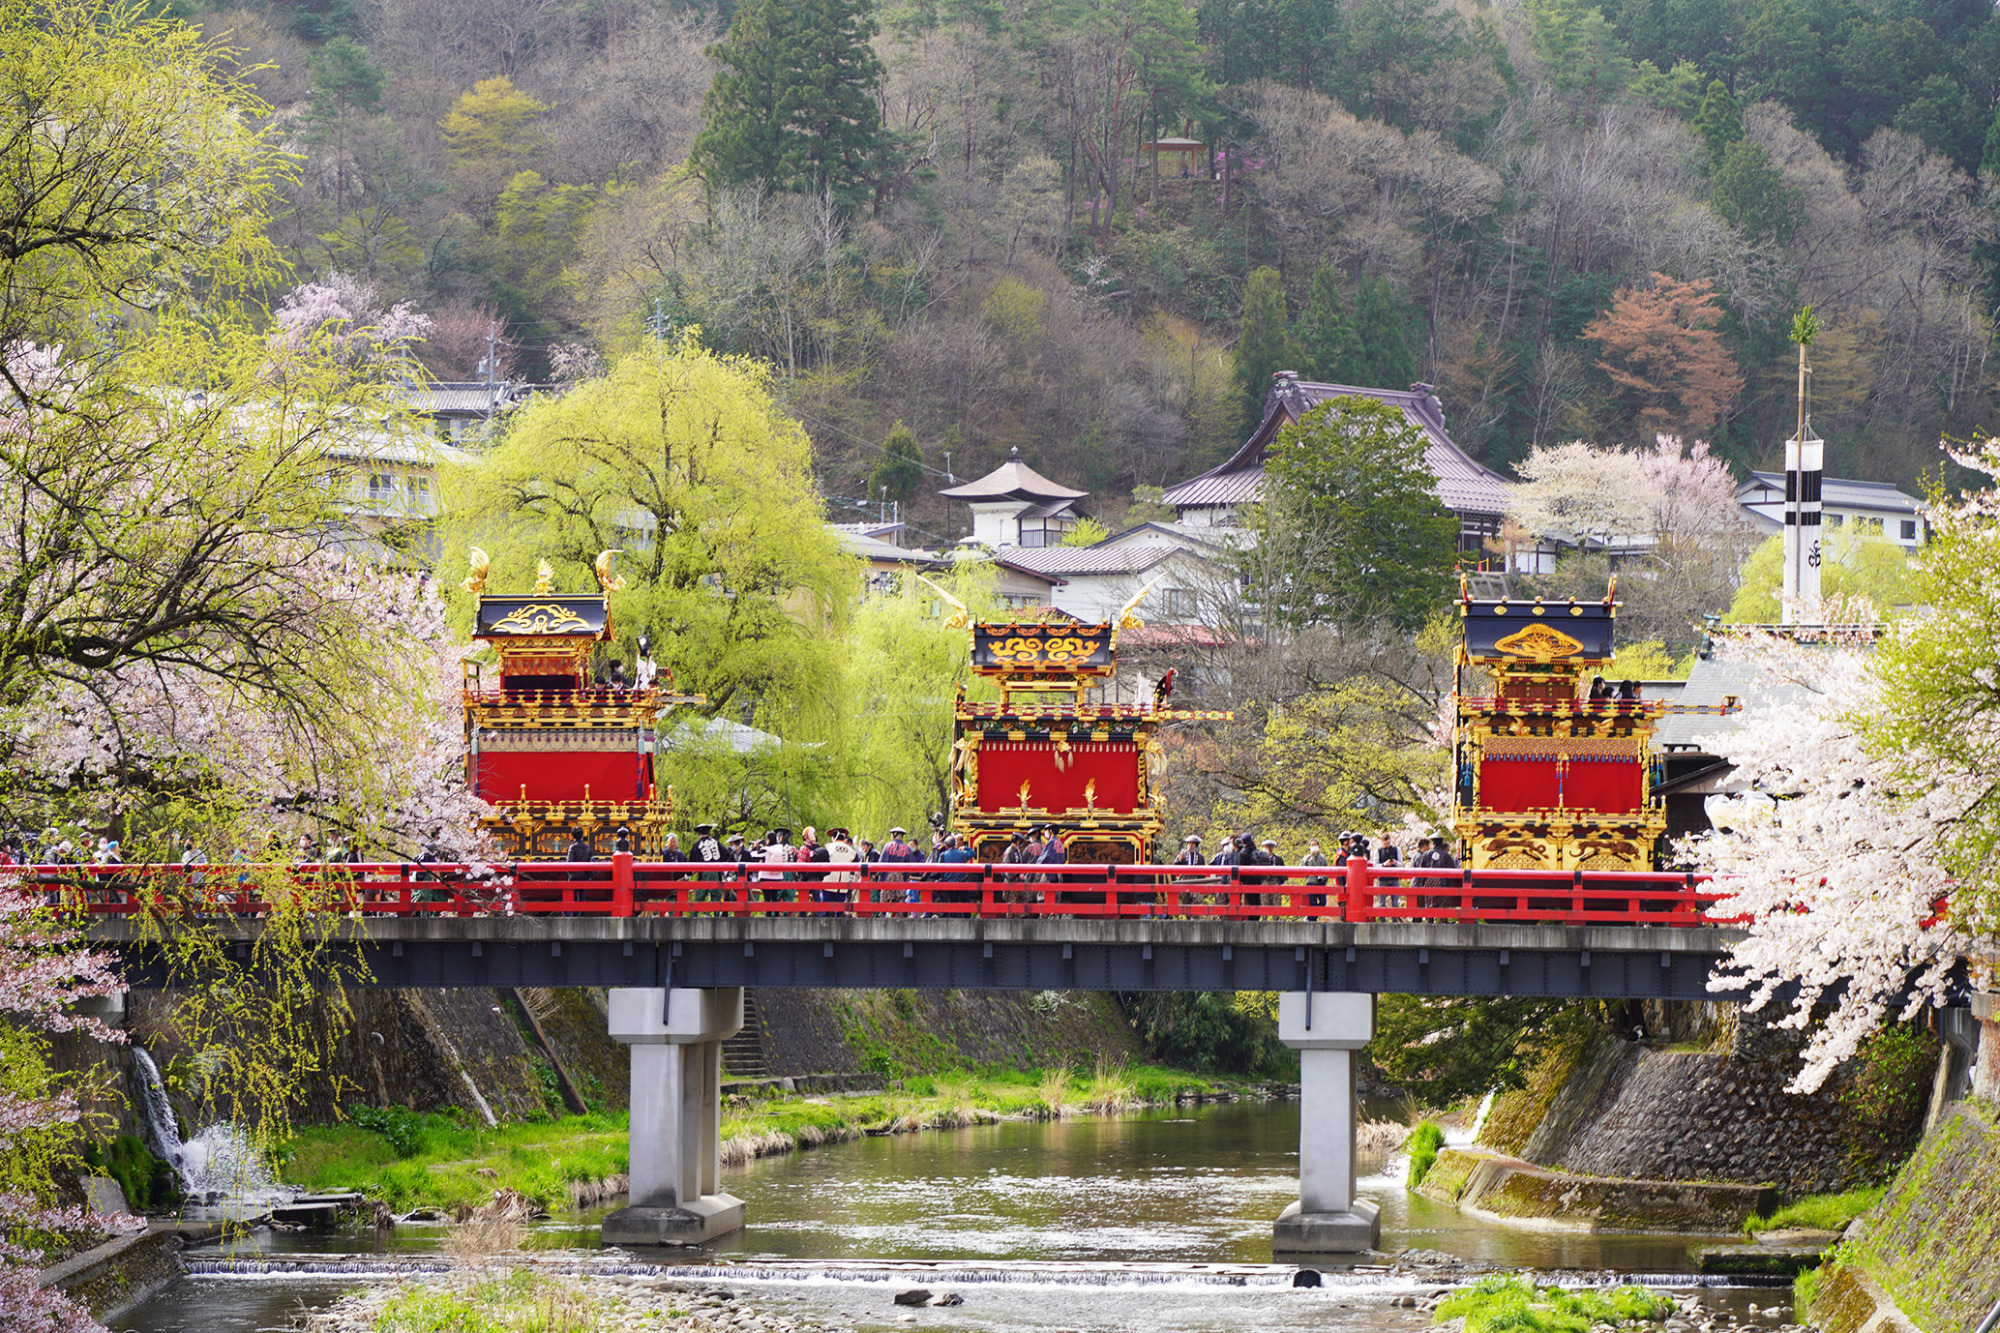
[623,887]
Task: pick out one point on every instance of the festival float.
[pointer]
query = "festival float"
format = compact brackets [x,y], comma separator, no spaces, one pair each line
[1044,754]
[1553,758]
[556,752]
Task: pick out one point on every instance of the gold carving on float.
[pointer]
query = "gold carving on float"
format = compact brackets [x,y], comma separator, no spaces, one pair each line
[475,581]
[540,618]
[605,579]
[545,579]
[1541,642]
[961,614]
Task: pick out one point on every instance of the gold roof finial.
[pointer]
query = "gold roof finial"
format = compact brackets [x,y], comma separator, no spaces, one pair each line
[961,614]
[605,579]
[475,581]
[1127,617]
[545,579]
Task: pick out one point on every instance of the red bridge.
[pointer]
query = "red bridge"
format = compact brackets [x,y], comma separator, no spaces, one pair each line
[623,887]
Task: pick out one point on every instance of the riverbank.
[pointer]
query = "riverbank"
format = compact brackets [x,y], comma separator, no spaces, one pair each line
[444,1162]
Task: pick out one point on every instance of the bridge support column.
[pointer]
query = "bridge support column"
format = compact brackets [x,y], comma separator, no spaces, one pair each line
[675,1196]
[1326,1030]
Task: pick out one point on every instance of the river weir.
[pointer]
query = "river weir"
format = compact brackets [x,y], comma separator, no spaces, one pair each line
[1148,1223]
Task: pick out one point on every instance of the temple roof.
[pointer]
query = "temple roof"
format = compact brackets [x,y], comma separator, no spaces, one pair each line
[1012,480]
[1464,486]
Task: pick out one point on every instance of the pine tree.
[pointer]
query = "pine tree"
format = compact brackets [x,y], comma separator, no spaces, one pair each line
[1720,120]
[1265,344]
[1385,361]
[793,105]
[1329,351]
[900,470]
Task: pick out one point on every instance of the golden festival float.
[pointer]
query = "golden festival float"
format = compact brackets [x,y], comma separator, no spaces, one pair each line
[555,752]
[1044,754]
[1553,759]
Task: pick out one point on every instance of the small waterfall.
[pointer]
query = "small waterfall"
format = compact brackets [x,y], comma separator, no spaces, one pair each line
[219,1169]
[1479,1120]
[163,1133]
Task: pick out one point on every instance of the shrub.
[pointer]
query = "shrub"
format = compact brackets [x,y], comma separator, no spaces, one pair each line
[1424,1142]
[1506,1304]
[1821,1212]
[402,1129]
[148,1182]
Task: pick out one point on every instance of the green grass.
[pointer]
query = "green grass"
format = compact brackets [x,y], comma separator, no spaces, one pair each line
[1819,1212]
[411,1159]
[454,1165]
[519,1302]
[1424,1142]
[1504,1304]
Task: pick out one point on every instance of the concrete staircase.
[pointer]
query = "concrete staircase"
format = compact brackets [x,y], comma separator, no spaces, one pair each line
[743,1054]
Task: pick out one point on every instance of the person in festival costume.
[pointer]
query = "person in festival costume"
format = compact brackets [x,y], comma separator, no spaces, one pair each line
[708,850]
[840,851]
[776,851]
[896,851]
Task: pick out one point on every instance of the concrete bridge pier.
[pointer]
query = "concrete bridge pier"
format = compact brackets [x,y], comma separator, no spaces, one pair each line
[1326,1030]
[675,1196]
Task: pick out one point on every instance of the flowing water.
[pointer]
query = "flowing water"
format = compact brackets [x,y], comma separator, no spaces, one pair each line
[1150,1223]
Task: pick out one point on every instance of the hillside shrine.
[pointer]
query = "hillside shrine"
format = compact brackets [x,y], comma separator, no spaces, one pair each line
[556,753]
[1046,756]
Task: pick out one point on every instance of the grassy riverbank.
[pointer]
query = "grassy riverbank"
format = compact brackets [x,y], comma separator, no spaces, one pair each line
[412,1160]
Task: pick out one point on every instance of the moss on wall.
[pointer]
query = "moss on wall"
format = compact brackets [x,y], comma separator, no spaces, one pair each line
[1933,1243]
[1516,1114]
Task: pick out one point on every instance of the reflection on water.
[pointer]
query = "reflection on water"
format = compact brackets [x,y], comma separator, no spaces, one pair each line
[1166,1186]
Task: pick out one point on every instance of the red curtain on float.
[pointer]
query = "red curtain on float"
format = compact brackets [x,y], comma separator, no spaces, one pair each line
[561,775]
[1607,786]
[1518,784]
[1005,765]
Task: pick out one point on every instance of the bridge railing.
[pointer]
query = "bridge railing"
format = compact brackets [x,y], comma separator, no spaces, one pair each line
[621,887]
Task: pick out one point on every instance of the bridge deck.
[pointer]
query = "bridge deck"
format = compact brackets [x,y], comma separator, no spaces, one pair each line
[1084,927]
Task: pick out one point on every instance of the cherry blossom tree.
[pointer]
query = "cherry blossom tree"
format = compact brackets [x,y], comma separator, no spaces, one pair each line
[348,316]
[184,749]
[44,972]
[1835,859]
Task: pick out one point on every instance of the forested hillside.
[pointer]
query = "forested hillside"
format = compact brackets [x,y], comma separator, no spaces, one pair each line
[1576,221]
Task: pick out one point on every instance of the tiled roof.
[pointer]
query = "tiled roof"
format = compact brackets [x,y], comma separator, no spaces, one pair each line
[1012,480]
[1769,488]
[1464,486]
[1713,680]
[471,396]
[1071,561]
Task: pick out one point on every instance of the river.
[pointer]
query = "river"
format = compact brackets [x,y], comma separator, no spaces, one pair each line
[1106,1199]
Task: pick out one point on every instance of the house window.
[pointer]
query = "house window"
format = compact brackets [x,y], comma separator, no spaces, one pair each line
[420,492]
[1179,603]
[1834,520]
[1020,601]
[1474,530]
[381,487]
[1909,529]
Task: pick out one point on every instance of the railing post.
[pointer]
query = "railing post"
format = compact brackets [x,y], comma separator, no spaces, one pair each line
[1359,908]
[621,884]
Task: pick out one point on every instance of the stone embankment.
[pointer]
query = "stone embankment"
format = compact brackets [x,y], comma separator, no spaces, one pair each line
[1929,1254]
[1507,1189]
[1692,1131]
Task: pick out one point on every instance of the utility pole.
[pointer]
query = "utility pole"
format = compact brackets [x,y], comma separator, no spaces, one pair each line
[488,365]
[657,322]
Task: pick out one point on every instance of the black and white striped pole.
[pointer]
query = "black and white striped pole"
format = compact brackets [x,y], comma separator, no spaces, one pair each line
[1805,462]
